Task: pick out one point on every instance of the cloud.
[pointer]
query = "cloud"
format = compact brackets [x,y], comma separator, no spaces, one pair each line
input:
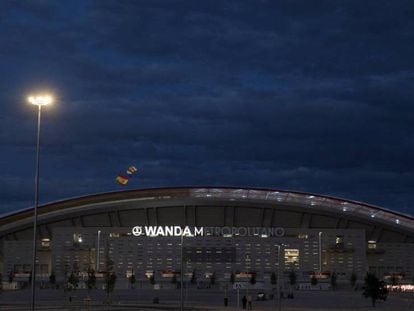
[311,96]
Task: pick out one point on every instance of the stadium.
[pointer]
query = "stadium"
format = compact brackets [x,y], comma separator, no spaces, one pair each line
[241,234]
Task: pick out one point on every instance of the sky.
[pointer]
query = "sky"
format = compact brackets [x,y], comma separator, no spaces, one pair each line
[313,96]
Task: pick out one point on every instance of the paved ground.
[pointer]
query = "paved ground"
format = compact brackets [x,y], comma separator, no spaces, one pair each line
[199,300]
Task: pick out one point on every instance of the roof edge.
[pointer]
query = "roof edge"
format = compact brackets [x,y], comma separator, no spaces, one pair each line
[153,189]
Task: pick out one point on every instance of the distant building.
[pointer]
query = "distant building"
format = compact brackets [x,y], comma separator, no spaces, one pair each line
[242,232]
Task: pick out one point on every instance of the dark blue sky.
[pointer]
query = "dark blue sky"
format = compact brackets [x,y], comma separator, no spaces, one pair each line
[313,96]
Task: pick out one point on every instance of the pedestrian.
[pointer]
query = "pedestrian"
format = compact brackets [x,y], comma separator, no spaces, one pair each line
[244,302]
[249,302]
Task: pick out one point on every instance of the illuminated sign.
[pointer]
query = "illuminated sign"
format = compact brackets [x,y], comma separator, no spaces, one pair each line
[156,231]
[226,232]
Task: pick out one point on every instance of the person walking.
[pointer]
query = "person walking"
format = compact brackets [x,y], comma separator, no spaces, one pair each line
[249,302]
[244,302]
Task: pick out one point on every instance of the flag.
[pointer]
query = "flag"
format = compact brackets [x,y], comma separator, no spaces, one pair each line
[122,180]
[131,170]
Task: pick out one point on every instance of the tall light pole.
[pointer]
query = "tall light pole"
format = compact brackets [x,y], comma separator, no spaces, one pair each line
[320,253]
[182,274]
[279,301]
[39,101]
[98,251]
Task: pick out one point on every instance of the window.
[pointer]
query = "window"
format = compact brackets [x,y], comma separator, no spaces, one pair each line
[291,256]
[372,244]
[77,239]
[339,241]
[45,243]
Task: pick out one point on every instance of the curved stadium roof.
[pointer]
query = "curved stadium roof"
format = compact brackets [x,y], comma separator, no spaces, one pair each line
[211,206]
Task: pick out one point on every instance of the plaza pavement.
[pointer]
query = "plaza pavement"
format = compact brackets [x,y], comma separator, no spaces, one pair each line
[200,300]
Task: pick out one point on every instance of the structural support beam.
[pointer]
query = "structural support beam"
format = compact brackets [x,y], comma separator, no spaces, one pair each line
[229,216]
[371,233]
[263,217]
[338,223]
[306,220]
[185,215]
[379,234]
[41,233]
[272,217]
[156,216]
[147,217]
[118,218]
[49,232]
[111,223]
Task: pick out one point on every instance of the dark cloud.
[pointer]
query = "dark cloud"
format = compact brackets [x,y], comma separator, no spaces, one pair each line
[302,95]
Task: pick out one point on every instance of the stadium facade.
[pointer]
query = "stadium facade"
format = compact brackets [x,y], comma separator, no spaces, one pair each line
[231,233]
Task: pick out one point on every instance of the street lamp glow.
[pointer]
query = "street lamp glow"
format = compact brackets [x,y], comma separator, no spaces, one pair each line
[40,100]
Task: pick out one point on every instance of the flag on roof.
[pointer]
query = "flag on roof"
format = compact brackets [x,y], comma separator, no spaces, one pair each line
[131,170]
[122,179]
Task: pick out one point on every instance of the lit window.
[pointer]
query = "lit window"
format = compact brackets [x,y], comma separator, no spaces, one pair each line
[291,256]
[372,244]
[339,240]
[77,239]
[45,243]
[149,273]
